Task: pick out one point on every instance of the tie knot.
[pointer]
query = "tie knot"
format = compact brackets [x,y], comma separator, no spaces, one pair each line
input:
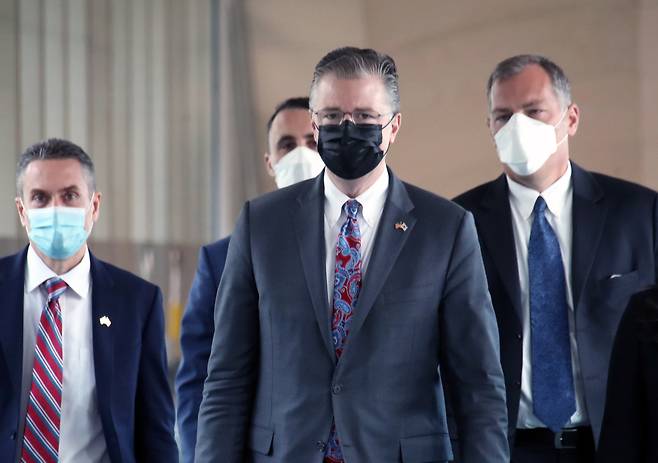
[540,206]
[351,208]
[55,287]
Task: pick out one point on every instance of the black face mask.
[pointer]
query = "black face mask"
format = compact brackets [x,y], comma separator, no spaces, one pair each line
[350,151]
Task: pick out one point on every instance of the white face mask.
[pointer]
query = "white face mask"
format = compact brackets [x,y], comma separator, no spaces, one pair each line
[299,164]
[525,144]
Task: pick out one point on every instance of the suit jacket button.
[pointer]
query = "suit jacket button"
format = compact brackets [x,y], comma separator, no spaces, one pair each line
[13,436]
[519,336]
[320,445]
[337,388]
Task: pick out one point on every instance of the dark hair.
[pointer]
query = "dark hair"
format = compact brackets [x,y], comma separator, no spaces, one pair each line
[300,102]
[55,148]
[352,62]
[514,65]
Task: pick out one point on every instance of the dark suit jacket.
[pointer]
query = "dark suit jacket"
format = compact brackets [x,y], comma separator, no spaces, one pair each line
[630,423]
[134,401]
[197,329]
[274,384]
[615,233]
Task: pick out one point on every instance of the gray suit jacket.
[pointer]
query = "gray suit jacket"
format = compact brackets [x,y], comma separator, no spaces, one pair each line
[274,384]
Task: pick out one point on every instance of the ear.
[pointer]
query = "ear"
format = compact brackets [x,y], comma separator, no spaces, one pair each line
[395,126]
[573,118]
[22,212]
[316,131]
[96,206]
[268,164]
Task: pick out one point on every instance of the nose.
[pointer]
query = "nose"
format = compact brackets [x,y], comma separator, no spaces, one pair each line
[346,115]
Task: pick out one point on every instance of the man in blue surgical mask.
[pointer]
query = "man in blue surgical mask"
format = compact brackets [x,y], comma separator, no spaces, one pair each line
[291,157]
[83,369]
[564,249]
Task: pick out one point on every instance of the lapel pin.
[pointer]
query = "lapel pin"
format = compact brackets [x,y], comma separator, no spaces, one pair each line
[401,226]
[105,320]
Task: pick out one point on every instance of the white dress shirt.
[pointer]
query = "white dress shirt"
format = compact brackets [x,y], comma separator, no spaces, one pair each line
[372,204]
[81,432]
[559,199]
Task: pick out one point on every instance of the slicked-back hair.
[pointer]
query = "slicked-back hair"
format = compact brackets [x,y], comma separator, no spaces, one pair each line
[353,63]
[55,148]
[514,65]
[300,102]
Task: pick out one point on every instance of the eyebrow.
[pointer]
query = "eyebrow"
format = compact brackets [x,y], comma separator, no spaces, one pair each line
[529,104]
[38,190]
[63,190]
[284,139]
[358,108]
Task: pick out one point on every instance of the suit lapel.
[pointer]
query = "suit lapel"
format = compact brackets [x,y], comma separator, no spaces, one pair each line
[12,282]
[589,213]
[389,241]
[497,235]
[308,221]
[103,337]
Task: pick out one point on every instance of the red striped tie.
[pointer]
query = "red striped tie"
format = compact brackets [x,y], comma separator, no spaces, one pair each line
[41,436]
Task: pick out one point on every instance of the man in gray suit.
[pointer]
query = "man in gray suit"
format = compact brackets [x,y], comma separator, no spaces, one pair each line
[348,301]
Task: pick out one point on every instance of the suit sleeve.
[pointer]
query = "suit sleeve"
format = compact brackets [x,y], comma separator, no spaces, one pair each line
[228,390]
[197,329]
[470,350]
[154,414]
[623,422]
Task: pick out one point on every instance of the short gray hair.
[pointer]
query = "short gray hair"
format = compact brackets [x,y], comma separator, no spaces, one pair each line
[514,65]
[55,148]
[352,62]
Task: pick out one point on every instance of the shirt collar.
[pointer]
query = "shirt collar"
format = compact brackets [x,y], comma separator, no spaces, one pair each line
[37,272]
[556,195]
[372,200]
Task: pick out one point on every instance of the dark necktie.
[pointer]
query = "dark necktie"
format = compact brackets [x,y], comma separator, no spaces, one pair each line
[347,285]
[41,436]
[553,395]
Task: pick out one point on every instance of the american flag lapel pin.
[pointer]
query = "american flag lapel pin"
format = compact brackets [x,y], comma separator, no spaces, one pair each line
[401,226]
[105,321]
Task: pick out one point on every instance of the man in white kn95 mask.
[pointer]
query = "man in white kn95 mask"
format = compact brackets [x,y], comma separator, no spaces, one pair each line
[564,249]
[291,158]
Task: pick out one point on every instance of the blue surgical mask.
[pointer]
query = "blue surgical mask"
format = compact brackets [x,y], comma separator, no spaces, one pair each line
[58,232]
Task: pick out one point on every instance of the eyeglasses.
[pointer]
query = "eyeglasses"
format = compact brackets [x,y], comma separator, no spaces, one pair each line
[336,116]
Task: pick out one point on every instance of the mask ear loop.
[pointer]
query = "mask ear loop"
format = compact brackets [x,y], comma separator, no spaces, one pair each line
[383,127]
[558,123]
[91,207]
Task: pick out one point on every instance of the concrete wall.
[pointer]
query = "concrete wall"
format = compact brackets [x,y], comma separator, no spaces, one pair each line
[129,81]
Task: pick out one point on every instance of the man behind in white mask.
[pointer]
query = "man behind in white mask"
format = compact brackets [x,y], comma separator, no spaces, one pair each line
[291,158]
[292,154]
[564,249]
